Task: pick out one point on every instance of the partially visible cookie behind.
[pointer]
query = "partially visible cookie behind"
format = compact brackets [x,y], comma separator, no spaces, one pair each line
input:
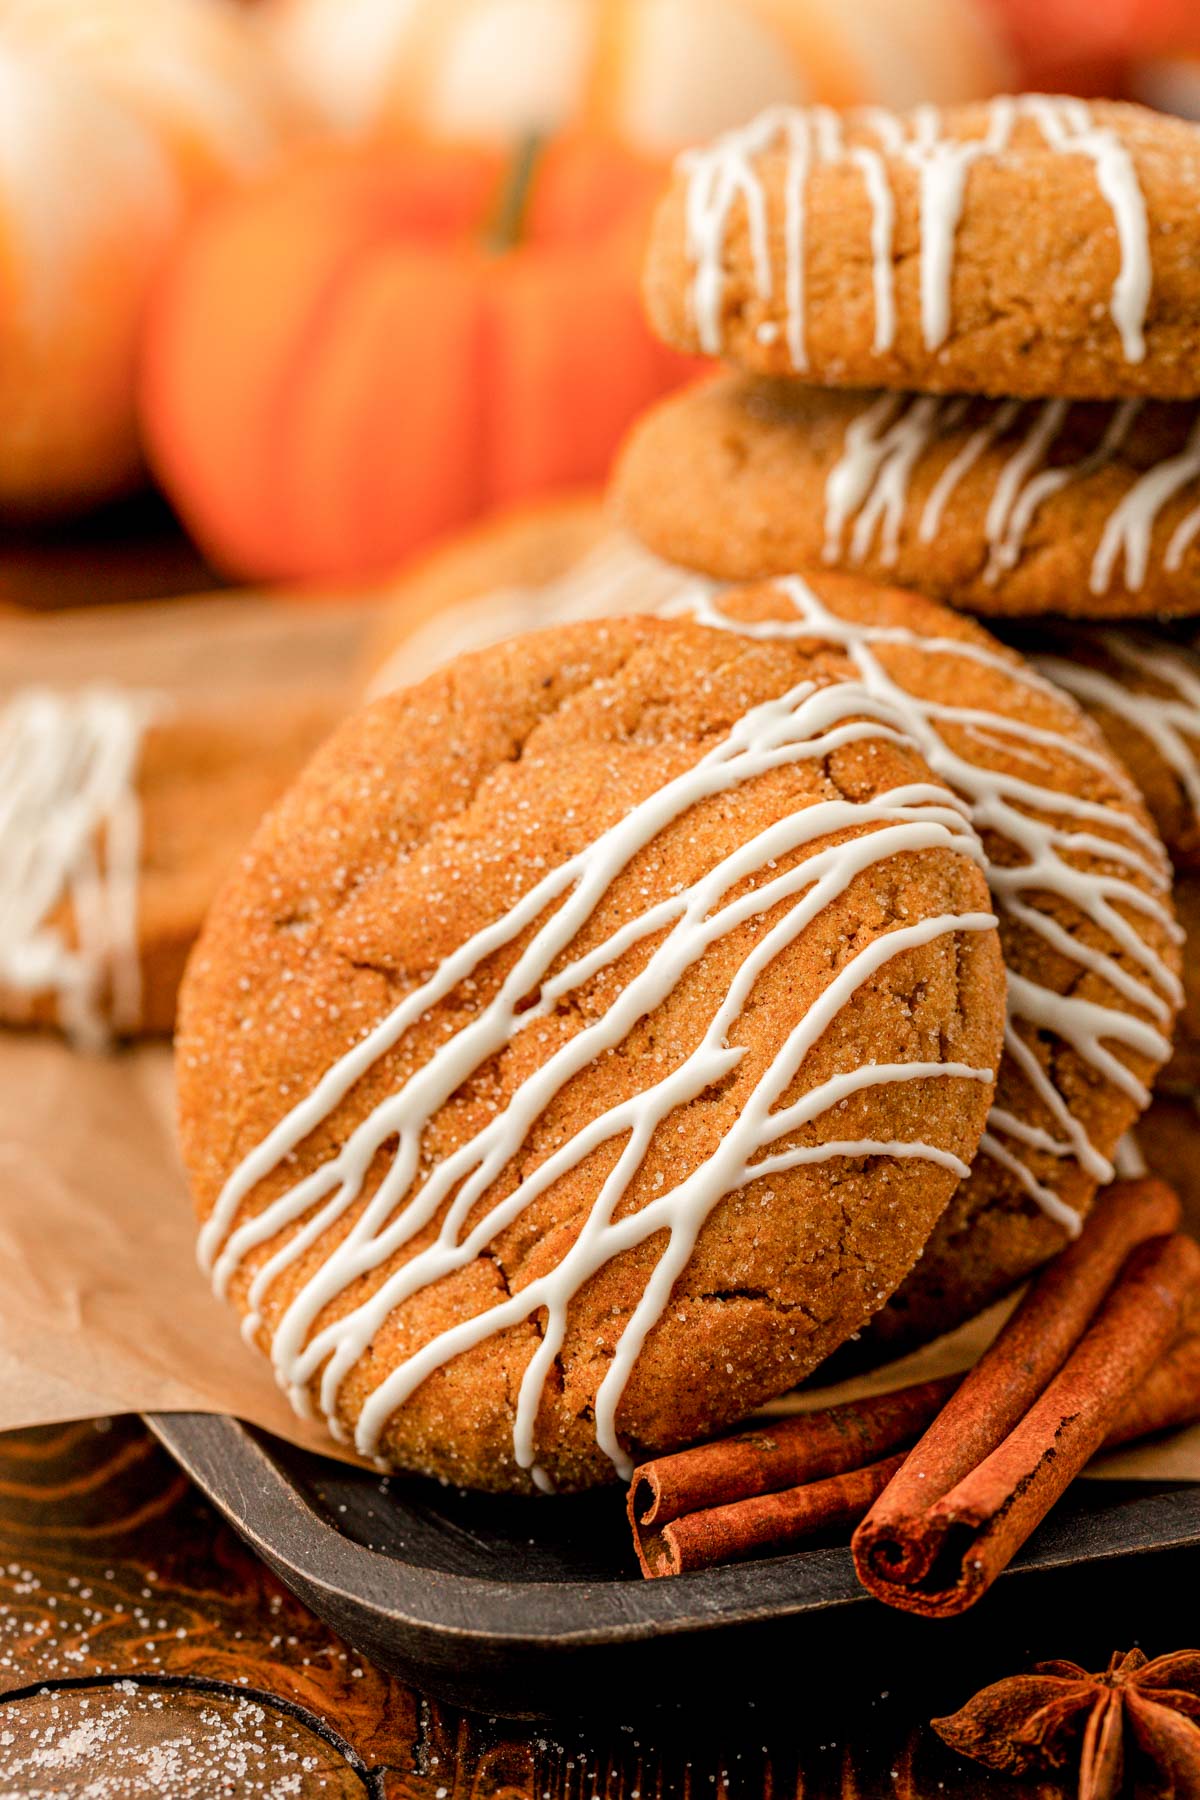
[1143,690]
[1090,938]
[125,812]
[518,569]
[610,751]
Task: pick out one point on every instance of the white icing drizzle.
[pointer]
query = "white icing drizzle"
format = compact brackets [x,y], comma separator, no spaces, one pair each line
[807,723]
[70,828]
[1002,419]
[1012,486]
[1128,1161]
[883,445]
[1181,541]
[883,220]
[942,166]
[726,172]
[871,478]
[1129,529]
[1018,499]
[1170,721]
[1068,125]
[617,574]
[1048,826]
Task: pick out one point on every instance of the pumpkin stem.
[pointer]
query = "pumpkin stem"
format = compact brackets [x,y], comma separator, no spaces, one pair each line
[507,224]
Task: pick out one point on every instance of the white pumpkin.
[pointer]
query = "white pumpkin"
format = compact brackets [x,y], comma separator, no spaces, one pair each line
[659,72]
[115,115]
[193,70]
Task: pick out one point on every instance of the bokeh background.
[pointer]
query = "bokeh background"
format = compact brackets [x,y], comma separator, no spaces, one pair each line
[289,289]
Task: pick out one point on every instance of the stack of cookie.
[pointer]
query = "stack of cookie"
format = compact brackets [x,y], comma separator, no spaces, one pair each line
[964,358]
[607,1028]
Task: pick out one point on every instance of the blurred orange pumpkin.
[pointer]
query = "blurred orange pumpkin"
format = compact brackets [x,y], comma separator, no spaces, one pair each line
[343,361]
[115,116]
[1082,45]
[657,73]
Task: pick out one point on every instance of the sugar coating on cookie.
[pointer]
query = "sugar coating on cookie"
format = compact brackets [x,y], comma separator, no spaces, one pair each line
[587,1046]
[121,810]
[1082,888]
[1029,245]
[1008,507]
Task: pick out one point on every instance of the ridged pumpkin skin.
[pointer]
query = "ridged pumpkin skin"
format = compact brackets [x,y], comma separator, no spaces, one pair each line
[339,366]
[116,118]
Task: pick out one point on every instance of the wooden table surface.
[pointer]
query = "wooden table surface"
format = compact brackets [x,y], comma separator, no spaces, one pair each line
[145,1651]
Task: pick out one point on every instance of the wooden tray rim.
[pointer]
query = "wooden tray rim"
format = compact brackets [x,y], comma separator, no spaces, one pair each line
[309,1552]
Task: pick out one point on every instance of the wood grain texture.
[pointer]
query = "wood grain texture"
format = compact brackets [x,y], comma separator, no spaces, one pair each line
[144,1650]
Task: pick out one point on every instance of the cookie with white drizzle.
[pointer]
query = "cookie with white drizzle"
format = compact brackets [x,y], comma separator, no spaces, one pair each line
[120,813]
[1143,690]
[1003,507]
[587,1045]
[1022,246]
[1082,887]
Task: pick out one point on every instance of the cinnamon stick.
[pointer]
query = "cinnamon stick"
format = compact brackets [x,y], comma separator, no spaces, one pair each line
[1167,1398]
[729,1533]
[783,1454]
[1036,1341]
[938,1536]
[770,1487]
[680,1536]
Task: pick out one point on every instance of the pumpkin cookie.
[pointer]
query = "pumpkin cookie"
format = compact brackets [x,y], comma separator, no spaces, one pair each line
[1143,690]
[1023,246]
[1089,936]
[601,1027]
[1002,507]
[121,815]
[523,567]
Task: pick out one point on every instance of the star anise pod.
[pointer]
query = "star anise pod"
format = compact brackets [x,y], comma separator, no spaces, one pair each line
[1059,1714]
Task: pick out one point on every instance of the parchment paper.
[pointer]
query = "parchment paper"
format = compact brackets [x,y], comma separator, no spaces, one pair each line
[102,1307]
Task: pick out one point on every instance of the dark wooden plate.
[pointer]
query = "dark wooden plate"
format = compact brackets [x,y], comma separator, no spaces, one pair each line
[530,1607]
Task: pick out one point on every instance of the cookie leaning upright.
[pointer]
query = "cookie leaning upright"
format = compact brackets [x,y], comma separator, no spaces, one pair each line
[120,812]
[1026,246]
[588,1045]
